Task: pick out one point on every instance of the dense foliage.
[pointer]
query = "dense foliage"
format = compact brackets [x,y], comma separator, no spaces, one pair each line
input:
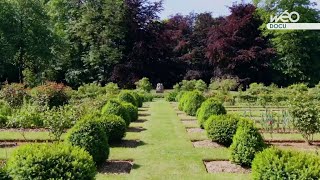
[273,163]
[192,102]
[115,107]
[208,108]
[246,143]
[51,161]
[222,128]
[79,42]
[90,135]
[114,126]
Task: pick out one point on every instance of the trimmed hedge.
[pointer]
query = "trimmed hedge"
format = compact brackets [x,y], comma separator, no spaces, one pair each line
[115,107]
[90,135]
[127,96]
[208,108]
[180,95]
[51,161]
[139,99]
[4,174]
[273,163]
[222,128]
[114,126]
[192,102]
[171,96]
[132,111]
[246,143]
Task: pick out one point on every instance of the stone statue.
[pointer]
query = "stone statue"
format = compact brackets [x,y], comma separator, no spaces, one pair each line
[159,88]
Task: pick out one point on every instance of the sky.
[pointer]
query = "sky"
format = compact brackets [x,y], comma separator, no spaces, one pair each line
[216,7]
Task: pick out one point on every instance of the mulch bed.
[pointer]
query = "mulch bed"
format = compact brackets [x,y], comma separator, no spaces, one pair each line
[206,144]
[140,121]
[128,144]
[187,119]
[224,167]
[116,167]
[136,129]
[195,130]
[144,115]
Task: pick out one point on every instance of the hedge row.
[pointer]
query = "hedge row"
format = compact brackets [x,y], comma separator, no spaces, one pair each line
[86,145]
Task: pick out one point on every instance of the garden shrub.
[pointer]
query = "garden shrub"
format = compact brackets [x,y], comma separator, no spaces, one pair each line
[112,89]
[305,116]
[132,111]
[115,107]
[222,128]
[5,108]
[208,108]
[147,97]
[60,118]
[201,86]
[193,102]
[127,96]
[91,90]
[246,143]
[139,99]
[14,94]
[3,121]
[114,126]
[51,94]
[224,85]
[180,95]
[183,100]
[4,174]
[171,96]
[90,135]
[51,161]
[29,116]
[273,163]
[144,85]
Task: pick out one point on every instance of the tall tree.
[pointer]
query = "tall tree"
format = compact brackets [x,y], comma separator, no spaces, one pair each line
[27,37]
[297,51]
[94,32]
[236,46]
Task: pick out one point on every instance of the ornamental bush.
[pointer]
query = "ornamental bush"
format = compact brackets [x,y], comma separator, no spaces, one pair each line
[28,116]
[115,107]
[3,121]
[126,96]
[222,128]
[273,163]
[193,102]
[114,126]
[90,135]
[51,94]
[180,95]
[5,108]
[171,96]
[305,116]
[246,143]
[51,161]
[14,94]
[3,173]
[183,99]
[208,108]
[138,98]
[132,111]
[144,85]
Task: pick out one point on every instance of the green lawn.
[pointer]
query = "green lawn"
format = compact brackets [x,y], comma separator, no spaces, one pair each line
[167,152]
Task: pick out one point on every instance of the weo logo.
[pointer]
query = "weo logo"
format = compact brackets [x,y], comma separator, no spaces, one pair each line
[286,17]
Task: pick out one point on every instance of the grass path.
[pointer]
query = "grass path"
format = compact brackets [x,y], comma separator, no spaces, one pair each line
[168,152]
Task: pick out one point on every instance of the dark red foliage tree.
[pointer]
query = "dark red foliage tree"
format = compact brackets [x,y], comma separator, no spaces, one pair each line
[147,53]
[237,48]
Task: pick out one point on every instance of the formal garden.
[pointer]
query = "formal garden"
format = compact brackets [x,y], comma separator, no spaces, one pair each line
[112,89]
[195,130]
